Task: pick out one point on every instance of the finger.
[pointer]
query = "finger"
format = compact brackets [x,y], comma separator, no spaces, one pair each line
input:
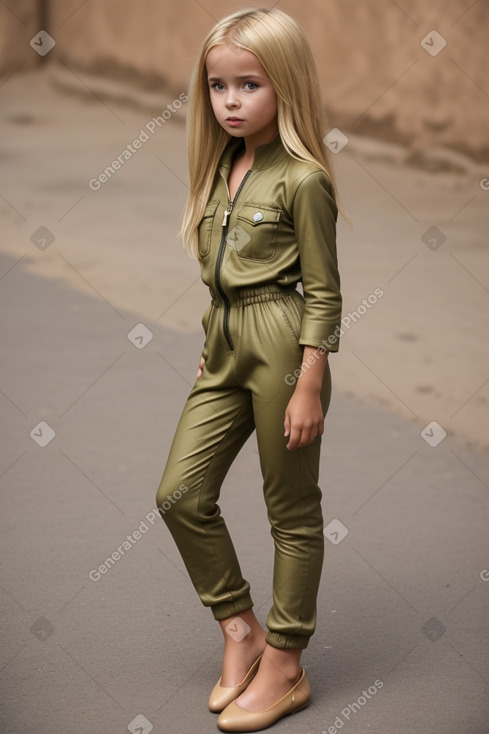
[295,437]
[309,435]
[305,437]
[201,366]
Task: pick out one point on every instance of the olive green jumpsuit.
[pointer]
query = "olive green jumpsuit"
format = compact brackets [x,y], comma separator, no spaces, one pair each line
[279,229]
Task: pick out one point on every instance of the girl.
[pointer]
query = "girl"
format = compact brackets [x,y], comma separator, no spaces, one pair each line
[260,217]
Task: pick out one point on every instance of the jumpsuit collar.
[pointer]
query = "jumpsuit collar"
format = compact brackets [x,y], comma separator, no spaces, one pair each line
[265,154]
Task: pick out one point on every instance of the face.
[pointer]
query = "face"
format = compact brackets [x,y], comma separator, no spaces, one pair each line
[239,87]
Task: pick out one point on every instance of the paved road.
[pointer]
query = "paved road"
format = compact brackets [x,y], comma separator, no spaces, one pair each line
[403,598]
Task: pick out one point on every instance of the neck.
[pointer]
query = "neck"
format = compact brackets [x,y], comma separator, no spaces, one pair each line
[253,141]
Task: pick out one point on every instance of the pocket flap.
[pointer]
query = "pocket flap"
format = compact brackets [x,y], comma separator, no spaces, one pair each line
[256,215]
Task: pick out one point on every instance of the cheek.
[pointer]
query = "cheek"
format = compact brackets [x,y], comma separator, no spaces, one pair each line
[264,105]
[269,106]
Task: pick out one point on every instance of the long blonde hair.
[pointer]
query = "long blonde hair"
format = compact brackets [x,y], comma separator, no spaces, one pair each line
[282,48]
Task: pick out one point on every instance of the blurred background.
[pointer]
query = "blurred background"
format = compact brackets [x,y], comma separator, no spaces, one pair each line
[101,336]
[376,78]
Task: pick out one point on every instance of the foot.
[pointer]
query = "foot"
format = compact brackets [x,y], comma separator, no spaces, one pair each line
[279,671]
[235,718]
[239,656]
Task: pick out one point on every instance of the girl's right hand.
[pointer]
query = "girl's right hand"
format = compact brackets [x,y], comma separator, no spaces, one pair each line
[201,367]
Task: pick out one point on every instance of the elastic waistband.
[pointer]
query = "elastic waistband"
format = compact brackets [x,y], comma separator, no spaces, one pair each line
[256,294]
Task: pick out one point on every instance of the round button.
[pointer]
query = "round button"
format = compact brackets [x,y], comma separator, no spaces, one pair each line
[257,217]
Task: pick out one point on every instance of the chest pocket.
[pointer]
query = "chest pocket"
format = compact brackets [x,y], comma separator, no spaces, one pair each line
[255,233]
[205,228]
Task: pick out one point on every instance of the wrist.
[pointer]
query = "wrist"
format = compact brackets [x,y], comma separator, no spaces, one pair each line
[307,387]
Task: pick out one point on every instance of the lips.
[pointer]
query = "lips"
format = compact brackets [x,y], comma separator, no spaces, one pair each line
[234,118]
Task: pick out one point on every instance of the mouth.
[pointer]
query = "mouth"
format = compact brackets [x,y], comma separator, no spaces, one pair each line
[237,119]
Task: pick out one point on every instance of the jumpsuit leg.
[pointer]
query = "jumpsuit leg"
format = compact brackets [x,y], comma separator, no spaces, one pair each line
[216,421]
[269,341]
[293,499]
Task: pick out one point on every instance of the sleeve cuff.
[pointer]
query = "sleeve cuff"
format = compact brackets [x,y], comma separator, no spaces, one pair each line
[324,336]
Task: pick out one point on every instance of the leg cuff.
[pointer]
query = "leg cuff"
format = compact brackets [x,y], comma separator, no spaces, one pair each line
[284,641]
[231,608]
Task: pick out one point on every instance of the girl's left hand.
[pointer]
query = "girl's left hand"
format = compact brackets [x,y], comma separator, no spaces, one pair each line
[304,419]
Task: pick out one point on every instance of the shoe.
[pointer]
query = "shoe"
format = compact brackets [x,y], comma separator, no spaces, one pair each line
[235,718]
[221,696]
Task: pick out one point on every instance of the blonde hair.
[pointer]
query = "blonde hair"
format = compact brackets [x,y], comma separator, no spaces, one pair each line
[282,48]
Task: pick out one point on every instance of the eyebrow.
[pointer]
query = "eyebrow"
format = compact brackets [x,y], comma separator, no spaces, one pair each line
[243,76]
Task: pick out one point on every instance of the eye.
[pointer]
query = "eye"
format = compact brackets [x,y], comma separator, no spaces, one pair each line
[253,83]
[214,84]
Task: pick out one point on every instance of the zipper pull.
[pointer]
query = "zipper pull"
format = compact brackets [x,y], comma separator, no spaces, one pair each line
[227,212]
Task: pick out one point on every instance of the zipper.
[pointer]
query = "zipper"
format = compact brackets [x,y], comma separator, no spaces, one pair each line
[220,255]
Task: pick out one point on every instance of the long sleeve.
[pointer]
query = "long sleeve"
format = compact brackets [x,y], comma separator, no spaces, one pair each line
[314,214]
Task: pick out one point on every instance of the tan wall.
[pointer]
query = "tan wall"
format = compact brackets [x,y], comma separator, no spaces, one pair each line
[376,77]
[18,24]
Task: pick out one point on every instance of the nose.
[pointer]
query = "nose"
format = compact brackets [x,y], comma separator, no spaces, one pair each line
[231,98]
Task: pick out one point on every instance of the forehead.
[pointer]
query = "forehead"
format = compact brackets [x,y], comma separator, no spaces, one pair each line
[225,60]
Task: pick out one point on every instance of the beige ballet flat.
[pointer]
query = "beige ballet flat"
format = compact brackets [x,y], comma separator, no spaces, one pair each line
[235,718]
[221,696]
